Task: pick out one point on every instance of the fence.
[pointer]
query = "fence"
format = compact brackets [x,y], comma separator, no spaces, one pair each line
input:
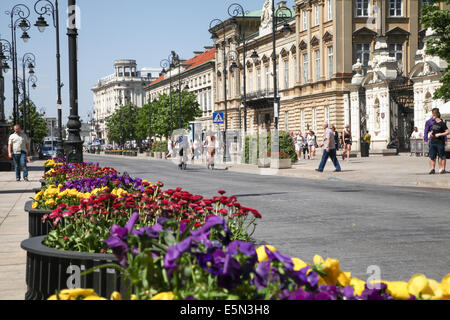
[418,147]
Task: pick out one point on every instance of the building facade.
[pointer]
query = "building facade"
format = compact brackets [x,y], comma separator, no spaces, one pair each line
[197,75]
[123,87]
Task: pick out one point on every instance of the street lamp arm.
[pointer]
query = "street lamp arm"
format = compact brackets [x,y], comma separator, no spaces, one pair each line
[29,58]
[46,7]
[282,15]
[20,10]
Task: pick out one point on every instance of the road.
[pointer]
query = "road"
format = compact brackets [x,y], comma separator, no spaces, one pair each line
[403,231]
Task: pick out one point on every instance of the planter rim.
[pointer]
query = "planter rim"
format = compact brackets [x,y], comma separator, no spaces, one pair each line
[28,208]
[34,245]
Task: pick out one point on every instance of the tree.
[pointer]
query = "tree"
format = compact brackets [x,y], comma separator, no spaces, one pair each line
[161,117]
[36,120]
[122,124]
[439,21]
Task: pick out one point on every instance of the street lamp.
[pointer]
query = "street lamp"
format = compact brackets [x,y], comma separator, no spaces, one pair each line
[22,12]
[28,61]
[281,15]
[5,55]
[74,142]
[176,60]
[167,65]
[46,7]
[212,26]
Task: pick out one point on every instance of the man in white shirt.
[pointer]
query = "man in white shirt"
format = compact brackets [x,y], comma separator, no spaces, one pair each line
[19,150]
[329,149]
[416,135]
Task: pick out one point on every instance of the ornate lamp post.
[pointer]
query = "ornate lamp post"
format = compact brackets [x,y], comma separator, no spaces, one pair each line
[22,12]
[236,10]
[74,142]
[167,65]
[5,55]
[28,61]
[176,61]
[213,25]
[46,7]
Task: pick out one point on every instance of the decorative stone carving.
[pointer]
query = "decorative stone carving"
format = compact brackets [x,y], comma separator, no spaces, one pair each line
[266,18]
[358,77]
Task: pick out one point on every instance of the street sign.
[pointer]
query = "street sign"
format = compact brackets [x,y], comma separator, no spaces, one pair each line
[218,118]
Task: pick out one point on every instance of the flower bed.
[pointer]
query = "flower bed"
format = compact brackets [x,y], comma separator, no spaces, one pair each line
[171,244]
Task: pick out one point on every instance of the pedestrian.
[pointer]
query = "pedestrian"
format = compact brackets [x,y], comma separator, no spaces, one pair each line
[336,137]
[305,147]
[436,136]
[169,148]
[347,136]
[299,144]
[312,144]
[211,153]
[196,148]
[19,150]
[329,149]
[416,137]
[428,125]
[368,138]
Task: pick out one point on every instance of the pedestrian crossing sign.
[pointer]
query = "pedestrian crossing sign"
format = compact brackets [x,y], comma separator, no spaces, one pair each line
[218,118]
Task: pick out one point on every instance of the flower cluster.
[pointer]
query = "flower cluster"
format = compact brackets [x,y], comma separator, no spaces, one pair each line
[206,264]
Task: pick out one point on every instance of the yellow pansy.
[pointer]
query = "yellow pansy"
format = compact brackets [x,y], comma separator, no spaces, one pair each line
[50,203]
[116,296]
[261,252]
[445,285]
[358,285]
[94,297]
[163,296]
[344,278]
[421,287]
[73,193]
[397,289]
[299,264]
[35,205]
[78,292]
[331,268]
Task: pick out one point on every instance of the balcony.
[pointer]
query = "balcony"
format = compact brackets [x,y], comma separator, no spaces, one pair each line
[260,99]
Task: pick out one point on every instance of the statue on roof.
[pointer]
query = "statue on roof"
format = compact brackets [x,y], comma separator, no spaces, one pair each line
[266,15]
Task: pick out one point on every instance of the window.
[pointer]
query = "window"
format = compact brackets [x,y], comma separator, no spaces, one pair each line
[330,10]
[286,121]
[250,80]
[427,3]
[267,79]
[316,16]
[396,51]
[295,70]
[286,74]
[317,64]
[305,20]
[327,115]
[305,68]
[303,121]
[362,8]
[395,8]
[258,79]
[330,62]
[205,101]
[362,52]
[314,120]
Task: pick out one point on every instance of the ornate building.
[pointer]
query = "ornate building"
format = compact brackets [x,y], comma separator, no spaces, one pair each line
[197,75]
[125,86]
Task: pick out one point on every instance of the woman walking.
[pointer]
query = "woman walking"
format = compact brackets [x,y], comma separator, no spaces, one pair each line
[211,143]
[347,136]
[311,145]
[299,141]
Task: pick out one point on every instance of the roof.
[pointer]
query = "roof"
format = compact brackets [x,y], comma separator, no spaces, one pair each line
[194,62]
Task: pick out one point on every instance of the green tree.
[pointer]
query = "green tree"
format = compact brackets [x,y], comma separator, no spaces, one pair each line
[122,124]
[161,115]
[439,21]
[37,122]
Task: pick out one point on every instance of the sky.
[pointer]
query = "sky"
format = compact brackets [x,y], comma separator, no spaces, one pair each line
[143,30]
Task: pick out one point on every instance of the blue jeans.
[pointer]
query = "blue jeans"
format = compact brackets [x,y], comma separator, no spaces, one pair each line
[20,161]
[332,155]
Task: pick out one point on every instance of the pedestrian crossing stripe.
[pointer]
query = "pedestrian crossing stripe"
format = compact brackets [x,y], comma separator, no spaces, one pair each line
[218,118]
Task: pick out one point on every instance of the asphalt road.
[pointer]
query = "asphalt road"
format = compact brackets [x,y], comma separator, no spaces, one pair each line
[403,231]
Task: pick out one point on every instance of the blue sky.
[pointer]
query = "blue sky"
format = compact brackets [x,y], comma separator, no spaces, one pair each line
[144,30]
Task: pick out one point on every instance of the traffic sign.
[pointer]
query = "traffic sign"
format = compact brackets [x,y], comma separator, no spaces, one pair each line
[218,118]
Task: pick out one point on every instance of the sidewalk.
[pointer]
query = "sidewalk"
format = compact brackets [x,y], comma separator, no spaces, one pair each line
[402,170]
[14,229]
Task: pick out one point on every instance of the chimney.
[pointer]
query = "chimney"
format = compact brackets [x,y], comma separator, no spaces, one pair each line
[197,53]
[207,48]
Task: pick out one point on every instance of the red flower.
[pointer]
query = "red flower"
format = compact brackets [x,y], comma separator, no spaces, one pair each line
[222,192]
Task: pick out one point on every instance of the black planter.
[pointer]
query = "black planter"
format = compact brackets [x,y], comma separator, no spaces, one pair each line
[49,270]
[43,182]
[37,190]
[35,226]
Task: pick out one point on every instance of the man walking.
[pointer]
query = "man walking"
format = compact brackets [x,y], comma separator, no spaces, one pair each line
[329,151]
[19,150]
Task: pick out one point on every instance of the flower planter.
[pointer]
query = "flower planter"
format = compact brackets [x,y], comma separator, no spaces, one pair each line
[43,182]
[281,164]
[35,226]
[263,162]
[49,270]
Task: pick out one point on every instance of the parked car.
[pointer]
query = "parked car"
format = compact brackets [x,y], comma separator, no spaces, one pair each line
[48,151]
